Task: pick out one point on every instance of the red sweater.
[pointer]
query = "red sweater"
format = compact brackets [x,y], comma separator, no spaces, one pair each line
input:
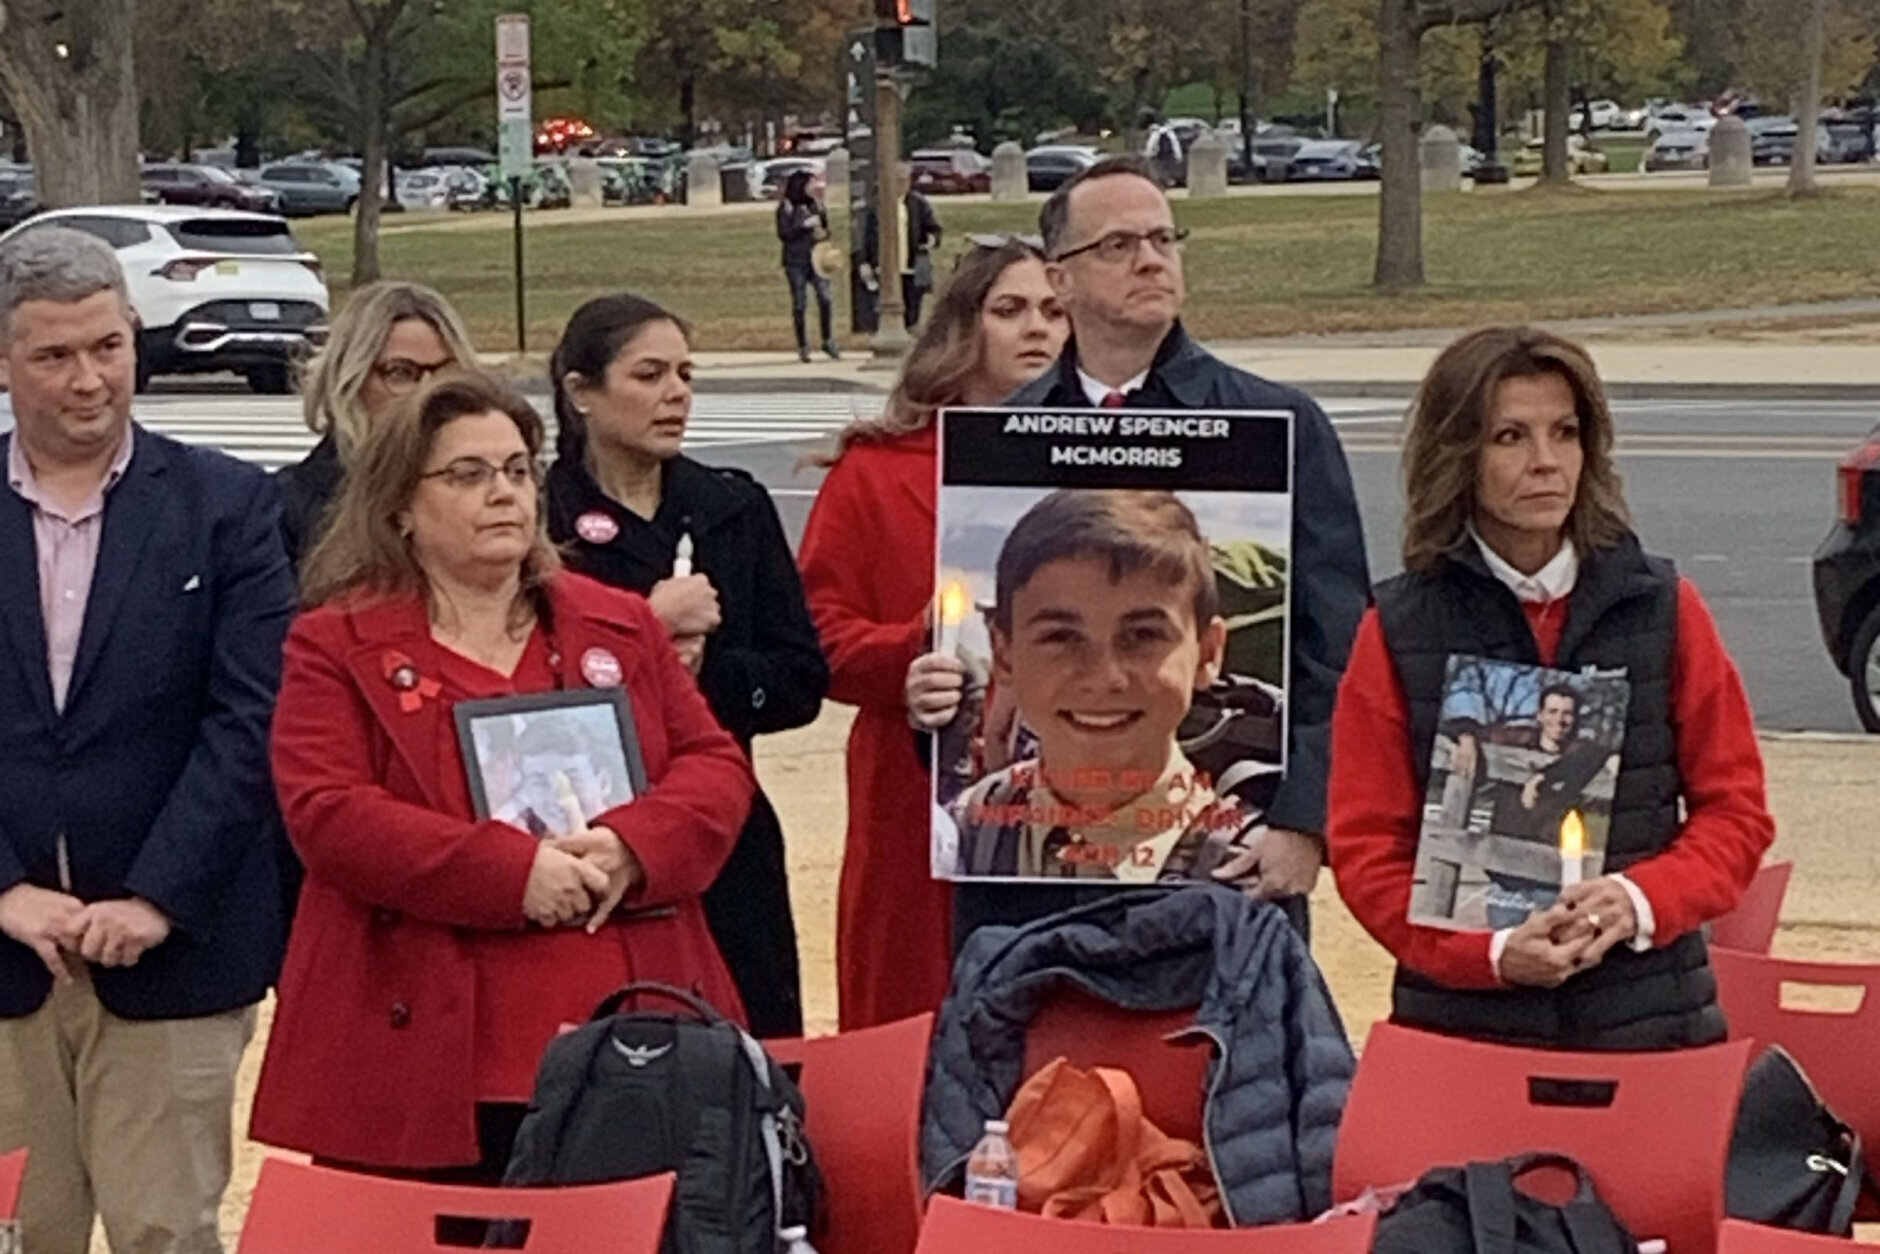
[1376,805]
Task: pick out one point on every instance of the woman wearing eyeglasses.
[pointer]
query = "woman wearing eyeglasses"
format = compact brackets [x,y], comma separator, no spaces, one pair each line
[705,546]
[387,342]
[868,567]
[436,954]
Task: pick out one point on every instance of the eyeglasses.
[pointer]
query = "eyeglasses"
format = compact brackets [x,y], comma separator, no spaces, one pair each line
[469,474]
[401,374]
[1119,246]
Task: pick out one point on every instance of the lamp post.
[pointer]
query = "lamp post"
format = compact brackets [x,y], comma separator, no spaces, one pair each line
[1488,115]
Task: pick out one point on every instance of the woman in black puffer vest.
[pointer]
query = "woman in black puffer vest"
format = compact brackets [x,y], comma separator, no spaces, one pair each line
[1518,548]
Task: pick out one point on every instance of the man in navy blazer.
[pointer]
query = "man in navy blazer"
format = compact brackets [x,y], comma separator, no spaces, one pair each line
[144,598]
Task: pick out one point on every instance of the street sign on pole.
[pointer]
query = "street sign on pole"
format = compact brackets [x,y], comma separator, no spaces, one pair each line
[515,106]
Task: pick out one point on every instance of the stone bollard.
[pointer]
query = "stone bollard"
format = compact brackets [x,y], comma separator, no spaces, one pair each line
[1009,179]
[1207,167]
[584,183]
[1730,162]
[1441,160]
[702,187]
[836,173]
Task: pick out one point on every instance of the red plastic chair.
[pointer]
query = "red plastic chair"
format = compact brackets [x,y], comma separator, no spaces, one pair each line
[12,1172]
[1840,1051]
[862,1091]
[1090,1032]
[956,1227]
[1738,1237]
[1751,927]
[301,1209]
[1652,1129]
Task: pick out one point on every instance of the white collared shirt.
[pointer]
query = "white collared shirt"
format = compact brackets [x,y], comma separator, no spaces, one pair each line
[1554,582]
[1551,582]
[1096,390]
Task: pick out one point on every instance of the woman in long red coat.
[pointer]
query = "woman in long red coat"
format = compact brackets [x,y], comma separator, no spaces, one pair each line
[867,559]
[435,955]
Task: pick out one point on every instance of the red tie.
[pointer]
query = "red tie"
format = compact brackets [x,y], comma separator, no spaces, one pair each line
[1115,400]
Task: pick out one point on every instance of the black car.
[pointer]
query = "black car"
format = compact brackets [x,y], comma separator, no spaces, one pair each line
[1049,167]
[1847,580]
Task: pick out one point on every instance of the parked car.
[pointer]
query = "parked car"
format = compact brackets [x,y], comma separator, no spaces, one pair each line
[1582,158]
[1677,150]
[1050,167]
[434,157]
[1772,140]
[1327,160]
[1606,115]
[213,289]
[773,174]
[423,191]
[18,199]
[1277,152]
[1847,579]
[1680,118]
[306,188]
[950,171]
[207,187]
[1846,141]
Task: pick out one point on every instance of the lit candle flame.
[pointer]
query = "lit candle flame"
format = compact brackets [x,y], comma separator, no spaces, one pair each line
[1572,835]
[954,600]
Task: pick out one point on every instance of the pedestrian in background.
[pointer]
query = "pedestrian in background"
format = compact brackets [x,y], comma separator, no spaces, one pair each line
[144,594]
[867,559]
[803,223]
[920,237]
[706,547]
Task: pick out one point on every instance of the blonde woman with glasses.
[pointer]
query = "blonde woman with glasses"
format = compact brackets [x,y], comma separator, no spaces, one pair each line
[389,341]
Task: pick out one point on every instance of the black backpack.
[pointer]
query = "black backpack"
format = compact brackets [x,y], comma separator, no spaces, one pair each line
[636,1094]
[1477,1210]
[1793,1163]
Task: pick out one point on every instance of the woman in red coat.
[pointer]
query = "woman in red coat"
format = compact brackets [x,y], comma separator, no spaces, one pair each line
[867,559]
[435,955]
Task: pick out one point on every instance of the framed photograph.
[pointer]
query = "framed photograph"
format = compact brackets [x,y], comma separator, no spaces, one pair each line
[551,763]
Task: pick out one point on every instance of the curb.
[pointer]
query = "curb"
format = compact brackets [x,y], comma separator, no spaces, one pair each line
[1818,737]
[720,382]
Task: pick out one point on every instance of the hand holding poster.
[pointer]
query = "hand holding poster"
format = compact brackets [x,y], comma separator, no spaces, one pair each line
[1522,775]
[1115,582]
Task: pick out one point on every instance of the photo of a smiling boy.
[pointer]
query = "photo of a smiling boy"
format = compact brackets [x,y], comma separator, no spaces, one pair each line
[1105,625]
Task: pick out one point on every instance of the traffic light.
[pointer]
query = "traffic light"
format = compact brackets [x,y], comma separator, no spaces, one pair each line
[904,32]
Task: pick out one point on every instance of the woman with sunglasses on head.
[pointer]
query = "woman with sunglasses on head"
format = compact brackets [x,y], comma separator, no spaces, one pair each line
[706,547]
[387,342]
[867,559]
[1518,547]
[436,953]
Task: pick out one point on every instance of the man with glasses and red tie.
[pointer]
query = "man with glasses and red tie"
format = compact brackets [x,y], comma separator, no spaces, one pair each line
[1114,256]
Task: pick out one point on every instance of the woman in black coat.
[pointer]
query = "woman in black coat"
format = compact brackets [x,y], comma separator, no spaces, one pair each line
[707,550]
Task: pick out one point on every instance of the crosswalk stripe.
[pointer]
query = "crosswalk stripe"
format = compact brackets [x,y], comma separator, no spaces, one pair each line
[268,430]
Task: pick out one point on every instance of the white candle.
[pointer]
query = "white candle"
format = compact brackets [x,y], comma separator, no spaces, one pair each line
[1572,850]
[682,559]
[954,599]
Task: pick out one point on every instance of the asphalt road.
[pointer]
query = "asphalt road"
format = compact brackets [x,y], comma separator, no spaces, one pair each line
[1738,493]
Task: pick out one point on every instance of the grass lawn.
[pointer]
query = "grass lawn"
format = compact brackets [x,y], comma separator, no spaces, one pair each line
[1257,266]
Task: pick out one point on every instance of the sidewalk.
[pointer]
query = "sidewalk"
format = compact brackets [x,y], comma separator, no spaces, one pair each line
[1633,366]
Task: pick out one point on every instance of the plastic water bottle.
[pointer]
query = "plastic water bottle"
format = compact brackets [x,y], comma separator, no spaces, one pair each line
[992,1171]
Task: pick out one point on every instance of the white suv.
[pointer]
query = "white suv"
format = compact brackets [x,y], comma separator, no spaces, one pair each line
[213,289]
